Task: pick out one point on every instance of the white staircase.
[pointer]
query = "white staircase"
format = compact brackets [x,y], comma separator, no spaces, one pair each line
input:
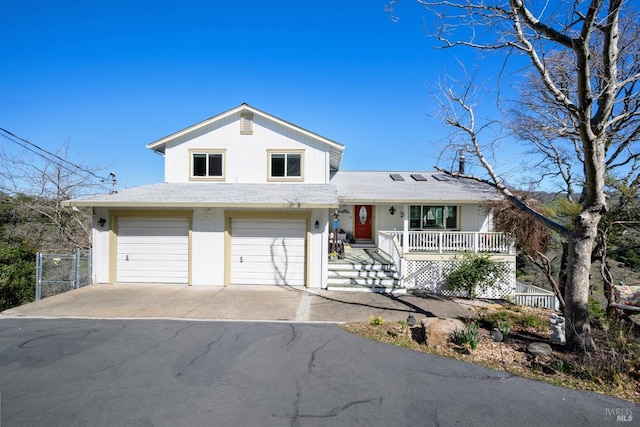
[364,270]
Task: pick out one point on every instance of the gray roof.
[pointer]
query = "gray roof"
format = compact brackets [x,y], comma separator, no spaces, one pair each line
[379,187]
[345,187]
[212,194]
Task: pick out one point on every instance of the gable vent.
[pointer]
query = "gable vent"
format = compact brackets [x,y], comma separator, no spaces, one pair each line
[246,124]
[418,177]
[396,177]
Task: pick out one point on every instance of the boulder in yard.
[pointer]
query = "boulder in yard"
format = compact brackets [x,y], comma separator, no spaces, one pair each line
[539,349]
[437,331]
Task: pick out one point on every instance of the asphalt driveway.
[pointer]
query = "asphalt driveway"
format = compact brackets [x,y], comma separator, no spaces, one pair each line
[77,372]
[265,303]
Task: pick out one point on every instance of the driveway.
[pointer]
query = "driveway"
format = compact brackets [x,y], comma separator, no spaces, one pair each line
[77,372]
[269,303]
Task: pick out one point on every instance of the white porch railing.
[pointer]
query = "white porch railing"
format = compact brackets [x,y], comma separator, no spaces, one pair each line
[390,245]
[455,241]
[534,296]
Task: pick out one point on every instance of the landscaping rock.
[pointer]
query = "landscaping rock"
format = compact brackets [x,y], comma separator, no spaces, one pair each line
[539,349]
[437,331]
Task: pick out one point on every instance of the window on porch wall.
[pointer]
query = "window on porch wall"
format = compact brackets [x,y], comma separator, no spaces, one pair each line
[433,217]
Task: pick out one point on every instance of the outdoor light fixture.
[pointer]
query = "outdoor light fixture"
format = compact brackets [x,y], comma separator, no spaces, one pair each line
[317,224]
[392,210]
[102,222]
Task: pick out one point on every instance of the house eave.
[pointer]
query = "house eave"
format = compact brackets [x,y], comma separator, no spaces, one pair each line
[182,205]
[425,200]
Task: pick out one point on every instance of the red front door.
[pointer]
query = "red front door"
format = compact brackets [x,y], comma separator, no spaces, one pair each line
[363,219]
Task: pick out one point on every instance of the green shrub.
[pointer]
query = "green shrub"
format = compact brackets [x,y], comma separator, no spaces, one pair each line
[477,273]
[17,276]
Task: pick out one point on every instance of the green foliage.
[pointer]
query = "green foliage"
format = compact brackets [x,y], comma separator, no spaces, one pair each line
[504,320]
[501,316]
[530,321]
[476,273]
[459,337]
[17,275]
[376,321]
[470,336]
[595,311]
[505,328]
[630,258]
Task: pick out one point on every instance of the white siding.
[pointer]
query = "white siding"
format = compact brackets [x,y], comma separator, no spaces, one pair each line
[100,246]
[246,155]
[268,251]
[153,250]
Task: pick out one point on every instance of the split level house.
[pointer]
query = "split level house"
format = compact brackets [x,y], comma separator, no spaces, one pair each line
[250,199]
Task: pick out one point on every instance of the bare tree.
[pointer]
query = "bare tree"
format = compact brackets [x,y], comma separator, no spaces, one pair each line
[34,186]
[590,76]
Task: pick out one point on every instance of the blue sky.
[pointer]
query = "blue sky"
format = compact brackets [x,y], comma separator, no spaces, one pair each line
[113,76]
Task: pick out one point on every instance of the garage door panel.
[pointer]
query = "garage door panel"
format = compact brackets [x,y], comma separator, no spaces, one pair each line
[268,251]
[153,250]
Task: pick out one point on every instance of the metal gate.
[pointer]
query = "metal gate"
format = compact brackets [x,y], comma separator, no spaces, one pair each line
[58,273]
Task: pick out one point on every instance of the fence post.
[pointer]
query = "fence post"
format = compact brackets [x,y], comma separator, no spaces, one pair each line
[76,267]
[38,276]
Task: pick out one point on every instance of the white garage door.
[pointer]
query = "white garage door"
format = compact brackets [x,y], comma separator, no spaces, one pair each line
[153,250]
[268,251]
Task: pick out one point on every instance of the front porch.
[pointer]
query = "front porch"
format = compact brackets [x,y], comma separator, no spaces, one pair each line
[417,260]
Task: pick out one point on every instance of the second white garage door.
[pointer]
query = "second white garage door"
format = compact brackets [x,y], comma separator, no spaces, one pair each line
[153,250]
[268,251]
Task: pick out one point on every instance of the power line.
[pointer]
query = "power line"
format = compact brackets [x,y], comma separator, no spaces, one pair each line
[64,161]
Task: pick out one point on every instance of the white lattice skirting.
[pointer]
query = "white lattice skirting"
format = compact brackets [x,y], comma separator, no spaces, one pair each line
[434,279]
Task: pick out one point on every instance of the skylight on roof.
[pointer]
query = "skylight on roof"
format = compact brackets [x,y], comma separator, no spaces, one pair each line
[441,177]
[396,177]
[418,177]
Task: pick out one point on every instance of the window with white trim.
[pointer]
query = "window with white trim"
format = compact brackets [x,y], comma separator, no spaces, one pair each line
[207,165]
[430,217]
[285,165]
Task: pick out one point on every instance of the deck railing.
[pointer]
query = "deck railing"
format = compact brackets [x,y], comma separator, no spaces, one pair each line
[455,241]
[535,297]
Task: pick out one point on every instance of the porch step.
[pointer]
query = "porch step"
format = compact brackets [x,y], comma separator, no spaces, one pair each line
[365,272]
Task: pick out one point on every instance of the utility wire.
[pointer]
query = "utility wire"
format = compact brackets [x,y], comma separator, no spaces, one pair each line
[80,168]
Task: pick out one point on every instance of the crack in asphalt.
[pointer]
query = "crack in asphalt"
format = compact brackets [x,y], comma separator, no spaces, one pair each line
[311,364]
[467,377]
[293,335]
[207,350]
[24,344]
[337,410]
[122,362]
[296,406]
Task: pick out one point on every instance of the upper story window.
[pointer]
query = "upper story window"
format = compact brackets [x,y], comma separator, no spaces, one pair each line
[207,165]
[286,165]
[430,217]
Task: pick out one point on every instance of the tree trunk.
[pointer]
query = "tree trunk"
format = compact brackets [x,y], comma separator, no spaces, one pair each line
[580,246]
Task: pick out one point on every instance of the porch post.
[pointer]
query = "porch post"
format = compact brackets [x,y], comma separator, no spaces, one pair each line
[405,229]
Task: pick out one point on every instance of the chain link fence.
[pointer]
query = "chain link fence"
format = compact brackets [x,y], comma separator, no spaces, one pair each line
[58,273]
